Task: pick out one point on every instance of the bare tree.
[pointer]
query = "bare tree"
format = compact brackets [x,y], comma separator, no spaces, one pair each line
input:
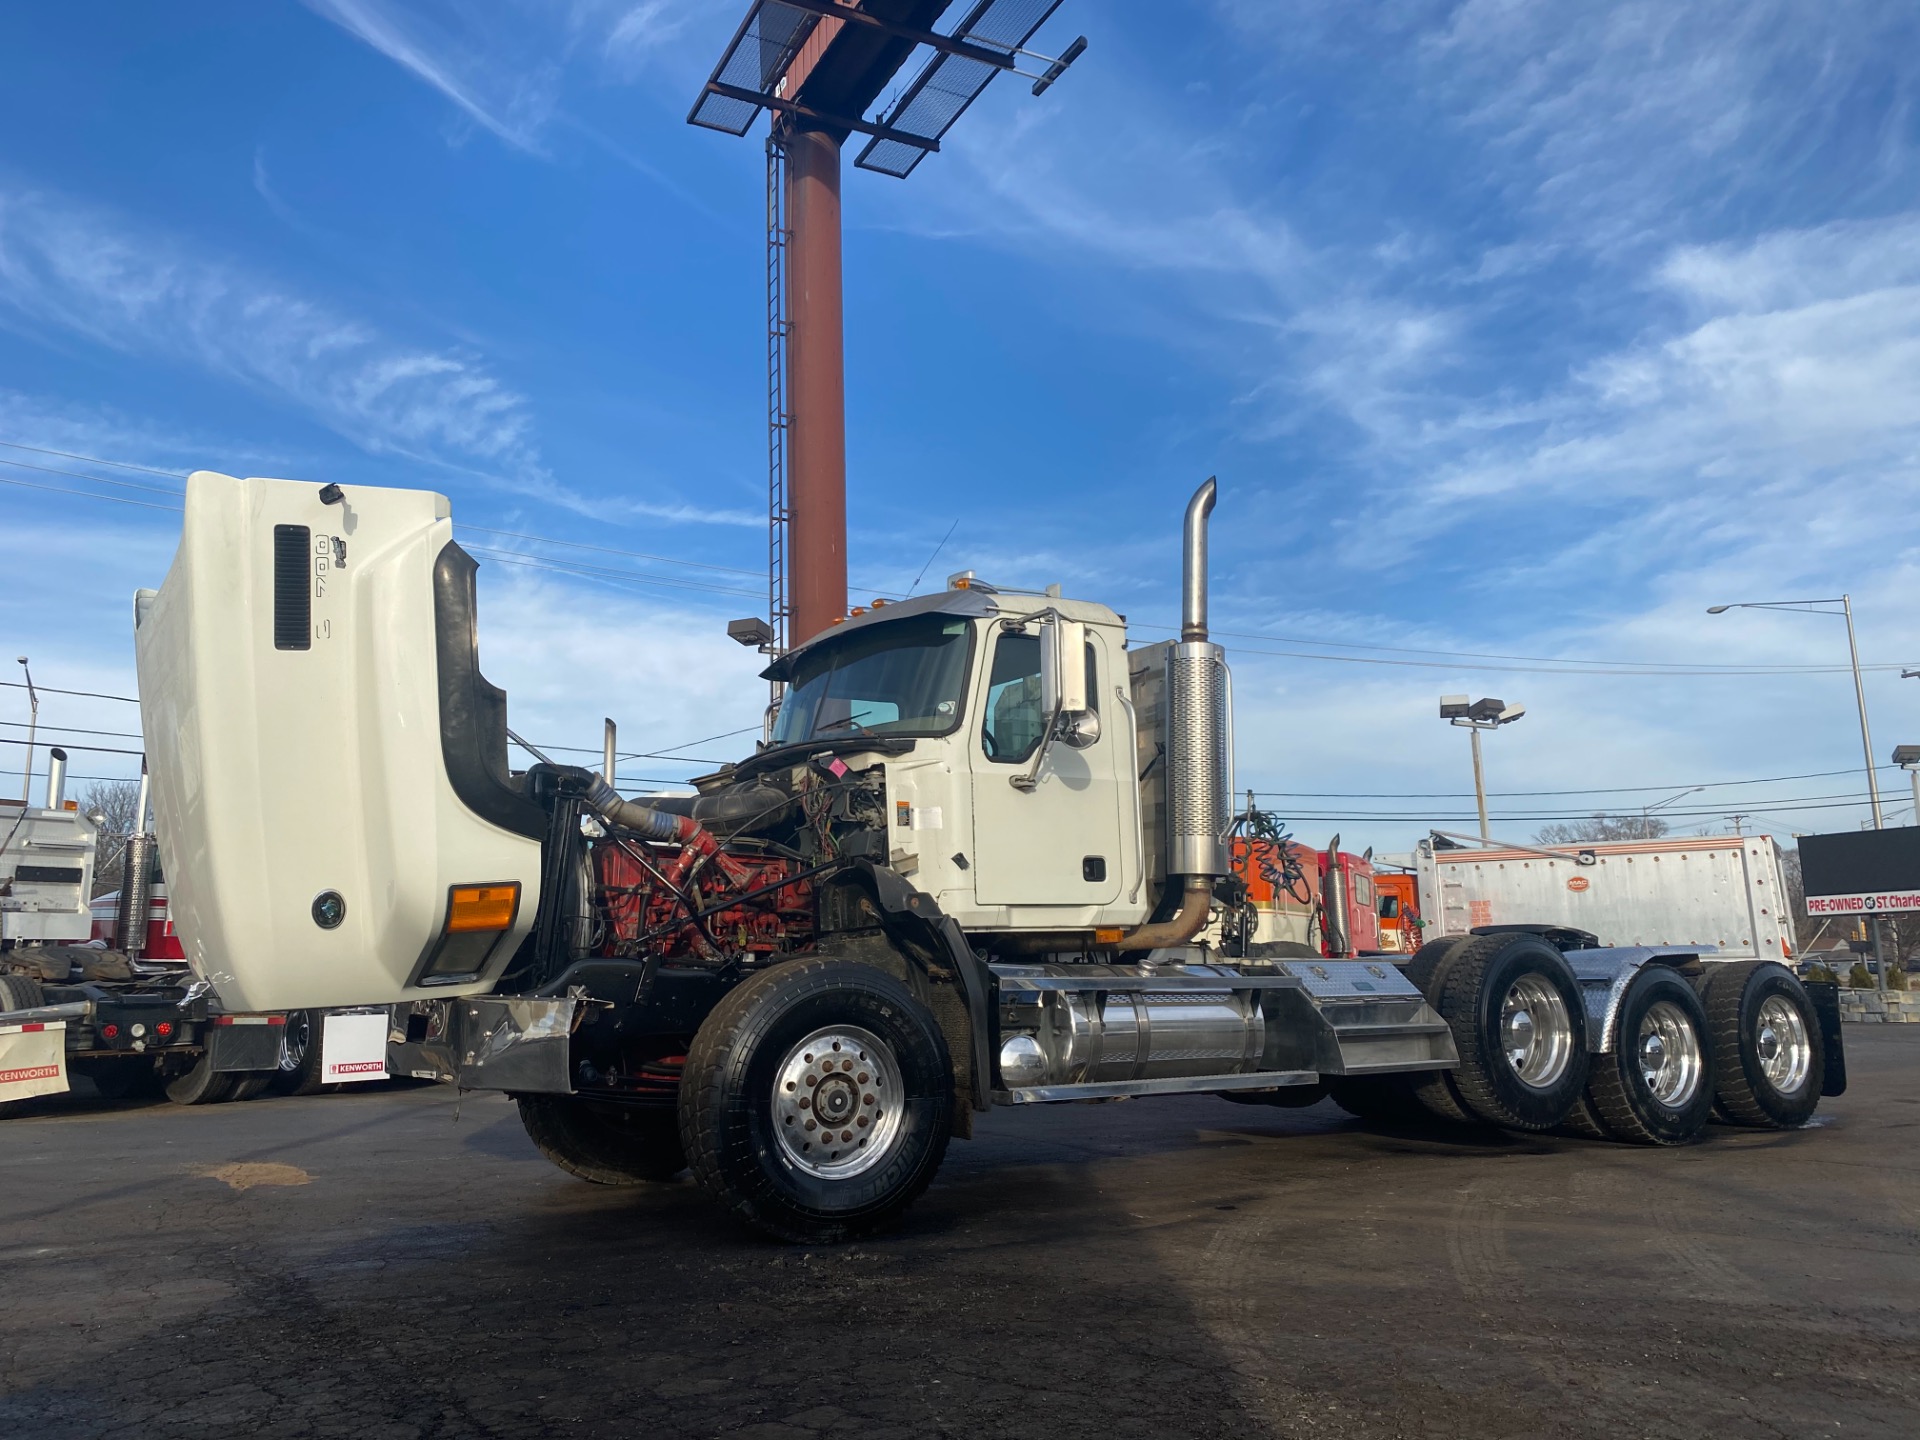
[116,799]
[1602,827]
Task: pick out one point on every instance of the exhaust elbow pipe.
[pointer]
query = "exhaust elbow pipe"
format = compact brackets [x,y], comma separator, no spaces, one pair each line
[1196,903]
[1193,564]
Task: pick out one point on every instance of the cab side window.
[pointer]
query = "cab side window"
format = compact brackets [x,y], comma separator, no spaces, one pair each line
[1014,718]
[1014,721]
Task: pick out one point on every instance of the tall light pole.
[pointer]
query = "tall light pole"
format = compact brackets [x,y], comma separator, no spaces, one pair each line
[33,726]
[1475,716]
[1845,602]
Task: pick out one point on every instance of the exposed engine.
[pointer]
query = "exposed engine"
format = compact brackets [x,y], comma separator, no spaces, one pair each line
[739,874]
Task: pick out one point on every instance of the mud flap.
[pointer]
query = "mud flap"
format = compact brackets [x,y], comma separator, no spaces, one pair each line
[33,1060]
[244,1043]
[1825,995]
[522,1045]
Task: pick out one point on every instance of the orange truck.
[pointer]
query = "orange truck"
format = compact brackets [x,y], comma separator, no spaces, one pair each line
[1326,902]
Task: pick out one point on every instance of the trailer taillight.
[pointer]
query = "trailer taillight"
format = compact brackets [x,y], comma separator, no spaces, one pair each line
[163,1029]
[110,1031]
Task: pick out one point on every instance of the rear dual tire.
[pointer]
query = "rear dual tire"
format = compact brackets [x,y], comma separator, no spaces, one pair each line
[1519,1025]
[1771,1057]
[1655,1087]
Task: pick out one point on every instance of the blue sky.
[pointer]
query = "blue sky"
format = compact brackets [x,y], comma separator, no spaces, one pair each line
[1519,329]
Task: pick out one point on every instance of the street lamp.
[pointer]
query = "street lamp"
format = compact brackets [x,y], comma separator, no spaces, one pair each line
[1845,602]
[1478,715]
[1907,757]
[33,725]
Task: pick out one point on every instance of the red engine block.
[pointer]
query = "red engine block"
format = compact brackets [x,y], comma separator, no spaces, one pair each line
[639,902]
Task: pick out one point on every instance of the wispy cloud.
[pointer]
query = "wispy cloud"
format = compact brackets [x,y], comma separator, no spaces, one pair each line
[505,67]
[87,273]
[510,100]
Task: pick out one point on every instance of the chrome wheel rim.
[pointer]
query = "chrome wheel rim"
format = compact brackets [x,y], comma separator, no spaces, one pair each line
[295,1036]
[838,1103]
[1536,1034]
[1780,1041]
[1671,1058]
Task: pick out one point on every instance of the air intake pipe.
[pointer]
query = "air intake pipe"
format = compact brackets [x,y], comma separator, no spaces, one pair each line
[643,820]
[1199,762]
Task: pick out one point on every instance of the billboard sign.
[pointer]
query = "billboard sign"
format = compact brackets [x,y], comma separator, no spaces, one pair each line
[1862,872]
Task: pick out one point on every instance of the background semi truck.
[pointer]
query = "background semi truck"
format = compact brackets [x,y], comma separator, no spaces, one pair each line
[128,1014]
[977,863]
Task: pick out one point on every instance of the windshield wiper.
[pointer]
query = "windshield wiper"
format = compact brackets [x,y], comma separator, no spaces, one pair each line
[841,724]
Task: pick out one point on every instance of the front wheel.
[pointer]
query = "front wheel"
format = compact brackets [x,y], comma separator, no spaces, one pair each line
[817,1100]
[1766,1042]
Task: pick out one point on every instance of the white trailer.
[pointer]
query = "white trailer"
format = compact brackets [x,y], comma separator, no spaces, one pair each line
[1719,893]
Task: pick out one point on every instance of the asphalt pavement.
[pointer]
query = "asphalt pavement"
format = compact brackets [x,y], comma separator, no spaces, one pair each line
[399,1264]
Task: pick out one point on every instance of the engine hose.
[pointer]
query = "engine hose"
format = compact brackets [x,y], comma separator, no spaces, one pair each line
[642,820]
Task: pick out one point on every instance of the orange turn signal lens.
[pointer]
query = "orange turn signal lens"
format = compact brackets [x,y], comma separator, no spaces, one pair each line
[482,907]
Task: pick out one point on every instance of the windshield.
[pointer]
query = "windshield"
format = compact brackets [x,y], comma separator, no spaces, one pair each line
[903,678]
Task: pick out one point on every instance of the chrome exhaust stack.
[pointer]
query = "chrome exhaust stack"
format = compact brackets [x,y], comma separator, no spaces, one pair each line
[56,778]
[1199,748]
[1199,758]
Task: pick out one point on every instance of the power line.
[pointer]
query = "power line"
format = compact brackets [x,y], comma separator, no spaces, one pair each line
[596,572]
[605,549]
[96,479]
[1556,668]
[92,459]
[88,495]
[65,745]
[1534,794]
[74,730]
[84,694]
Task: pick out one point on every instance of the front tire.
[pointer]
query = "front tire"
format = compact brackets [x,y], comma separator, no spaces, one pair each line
[1767,1044]
[817,1100]
[1656,1085]
[1519,1024]
[607,1144]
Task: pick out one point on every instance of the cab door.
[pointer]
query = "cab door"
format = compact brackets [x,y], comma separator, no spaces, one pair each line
[1058,843]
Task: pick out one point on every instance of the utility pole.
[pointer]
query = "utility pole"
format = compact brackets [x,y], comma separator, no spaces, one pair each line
[1737,822]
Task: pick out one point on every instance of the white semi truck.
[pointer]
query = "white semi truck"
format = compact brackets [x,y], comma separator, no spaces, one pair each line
[968,869]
